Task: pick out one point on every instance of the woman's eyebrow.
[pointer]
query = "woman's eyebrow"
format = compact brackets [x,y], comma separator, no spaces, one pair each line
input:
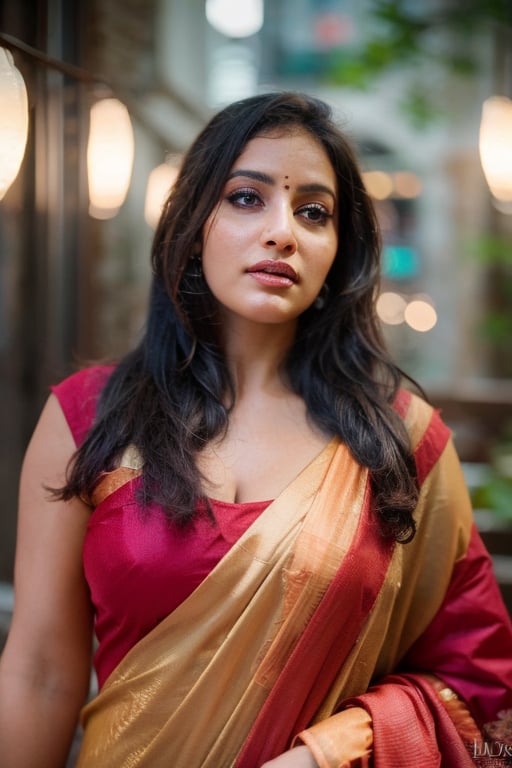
[256,175]
[317,188]
[266,179]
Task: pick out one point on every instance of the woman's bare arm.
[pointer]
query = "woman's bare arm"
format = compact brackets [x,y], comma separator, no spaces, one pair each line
[45,667]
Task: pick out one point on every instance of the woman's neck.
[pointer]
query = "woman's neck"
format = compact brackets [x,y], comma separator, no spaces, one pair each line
[255,353]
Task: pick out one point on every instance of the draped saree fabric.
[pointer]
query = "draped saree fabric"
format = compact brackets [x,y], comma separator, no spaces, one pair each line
[208,667]
[286,637]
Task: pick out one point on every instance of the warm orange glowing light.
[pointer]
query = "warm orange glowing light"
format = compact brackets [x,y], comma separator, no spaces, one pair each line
[495,144]
[160,182]
[13,120]
[420,315]
[379,184]
[406,184]
[391,307]
[110,153]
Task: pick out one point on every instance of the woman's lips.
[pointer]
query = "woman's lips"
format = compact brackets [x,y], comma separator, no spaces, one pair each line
[273,273]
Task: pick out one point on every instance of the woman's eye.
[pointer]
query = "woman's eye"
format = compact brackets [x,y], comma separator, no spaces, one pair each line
[314,213]
[244,198]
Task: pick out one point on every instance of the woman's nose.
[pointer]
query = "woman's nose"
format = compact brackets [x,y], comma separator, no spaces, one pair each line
[279,230]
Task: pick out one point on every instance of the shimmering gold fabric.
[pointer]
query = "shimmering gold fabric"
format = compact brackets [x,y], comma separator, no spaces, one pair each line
[187,695]
[111,481]
[130,467]
[411,594]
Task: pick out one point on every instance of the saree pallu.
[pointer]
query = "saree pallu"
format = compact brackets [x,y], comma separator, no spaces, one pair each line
[285,637]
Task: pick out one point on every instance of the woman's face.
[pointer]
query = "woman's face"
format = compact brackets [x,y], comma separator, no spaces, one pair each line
[272,237]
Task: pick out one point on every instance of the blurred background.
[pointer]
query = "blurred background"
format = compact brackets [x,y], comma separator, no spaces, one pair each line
[115,92]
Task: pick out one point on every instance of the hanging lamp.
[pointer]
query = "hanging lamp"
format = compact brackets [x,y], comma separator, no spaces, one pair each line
[13,120]
[495,144]
[110,152]
[160,182]
[235,18]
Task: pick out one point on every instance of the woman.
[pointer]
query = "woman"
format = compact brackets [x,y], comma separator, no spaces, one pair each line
[278,551]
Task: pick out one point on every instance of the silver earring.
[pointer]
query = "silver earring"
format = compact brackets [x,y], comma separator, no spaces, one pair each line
[321,299]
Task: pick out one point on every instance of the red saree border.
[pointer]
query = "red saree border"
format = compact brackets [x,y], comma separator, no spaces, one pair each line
[440,729]
[431,446]
[432,442]
[326,637]
[408,704]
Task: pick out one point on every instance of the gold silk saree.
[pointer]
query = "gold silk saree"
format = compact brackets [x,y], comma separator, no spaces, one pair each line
[303,614]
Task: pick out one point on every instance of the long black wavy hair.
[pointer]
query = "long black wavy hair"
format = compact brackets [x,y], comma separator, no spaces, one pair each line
[172,394]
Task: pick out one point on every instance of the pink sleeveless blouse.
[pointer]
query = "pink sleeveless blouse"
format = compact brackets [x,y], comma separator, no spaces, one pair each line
[138,565]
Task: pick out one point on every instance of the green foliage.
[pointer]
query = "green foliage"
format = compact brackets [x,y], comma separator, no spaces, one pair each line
[419,105]
[417,37]
[461,15]
[496,495]
[491,250]
[497,328]
[495,492]
[494,252]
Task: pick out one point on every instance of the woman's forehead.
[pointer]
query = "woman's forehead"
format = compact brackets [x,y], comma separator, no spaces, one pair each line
[289,149]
